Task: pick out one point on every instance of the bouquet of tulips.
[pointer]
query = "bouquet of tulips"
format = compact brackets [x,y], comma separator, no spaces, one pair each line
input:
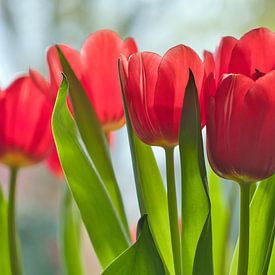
[165,101]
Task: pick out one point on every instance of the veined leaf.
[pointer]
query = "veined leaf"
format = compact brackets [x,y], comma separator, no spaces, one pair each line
[4,245]
[151,193]
[262,223]
[98,214]
[93,136]
[70,236]
[196,209]
[141,258]
[220,224]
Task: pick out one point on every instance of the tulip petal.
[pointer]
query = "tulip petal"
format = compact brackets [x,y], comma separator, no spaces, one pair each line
[42,84]
[266,147]
[222,55]
[28,129]
[209,62]
[142,71]
[99,56]
[54,164]
[236,118]
[173,76]
[129,47]
[254,51]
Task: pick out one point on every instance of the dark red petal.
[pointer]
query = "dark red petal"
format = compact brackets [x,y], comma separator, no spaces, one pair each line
[267,83]
[209,63]
[140,89]
[222,56]
[235,147]
[170,88]
[208,90]
[255,50]
[268,128]
[219,122]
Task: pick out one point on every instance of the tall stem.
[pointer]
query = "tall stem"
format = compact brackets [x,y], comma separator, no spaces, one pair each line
[14,259]
[244,229]
[173,209]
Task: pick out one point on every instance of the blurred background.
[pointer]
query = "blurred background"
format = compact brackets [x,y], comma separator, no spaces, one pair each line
[28,27]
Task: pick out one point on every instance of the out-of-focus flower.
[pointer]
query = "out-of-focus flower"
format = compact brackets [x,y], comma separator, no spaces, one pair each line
[53,164]
[241,107]
[25,124]
[154,89]
[96,68]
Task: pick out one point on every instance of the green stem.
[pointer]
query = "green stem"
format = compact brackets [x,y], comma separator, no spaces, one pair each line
[173,209]
[70,235]
[14,259]
[244,229]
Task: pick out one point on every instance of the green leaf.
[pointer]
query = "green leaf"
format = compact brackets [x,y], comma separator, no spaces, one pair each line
[271,268]
[4,246]
[151,193]
[262,223]
[220,224]
[196,210]
[93,136]
[141,258]
[70,236]
[98,214]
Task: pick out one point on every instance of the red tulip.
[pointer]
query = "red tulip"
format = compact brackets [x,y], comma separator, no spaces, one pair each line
[54,165]
[96,67]
[241,109]
[219,61]
[154,90]
[25,130]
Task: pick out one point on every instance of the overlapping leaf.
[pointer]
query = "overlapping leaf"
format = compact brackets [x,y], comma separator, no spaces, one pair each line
[93,136]
[70,236]
[196,209]
[220,224]
[89,192]
[141,258]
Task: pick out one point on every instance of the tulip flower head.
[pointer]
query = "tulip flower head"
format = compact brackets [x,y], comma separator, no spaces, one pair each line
[241,107]
[96,68]
[25,128]
[154,90]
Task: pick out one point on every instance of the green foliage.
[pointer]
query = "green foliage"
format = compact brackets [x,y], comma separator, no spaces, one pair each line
[141,258]
[93,137]
[220,224]
[104,226]
[70,236]
[262,223]
[271,268]
[196,209]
